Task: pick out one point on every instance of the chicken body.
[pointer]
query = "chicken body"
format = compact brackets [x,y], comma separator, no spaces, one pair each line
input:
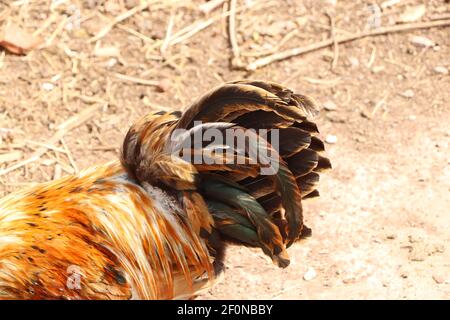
[98,235]
[154,226]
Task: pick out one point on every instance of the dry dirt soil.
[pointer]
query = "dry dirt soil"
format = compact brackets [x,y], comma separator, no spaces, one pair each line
[381,226]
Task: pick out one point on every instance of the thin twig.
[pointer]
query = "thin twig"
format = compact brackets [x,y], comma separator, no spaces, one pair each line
[45,145]
[168,36]
[135,33]
[45,25]
[335,44]
[118,19]
[76,120]
[2,58]
[57,172]
[10,156]
[57,31]
[274,49]
[379,104]
[69,155]
[283,291]
[372,57]
[325,43]
[440,16]
[145,82]
[236,62]
[87,99]
[192,29]
[209,6]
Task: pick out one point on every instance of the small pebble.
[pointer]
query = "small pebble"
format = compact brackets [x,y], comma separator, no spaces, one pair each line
[107,52]
[310,274]
[349,280]
[365,114]
[163,85]
[146,101]
[377,69]
[56,77]
[331,139]
[336,117]
[441,70]
[412,14]
[111,62]
[438,278]
[354,62]
[327,57]
[47,86]
[422,41]
[329,106]
[408,94]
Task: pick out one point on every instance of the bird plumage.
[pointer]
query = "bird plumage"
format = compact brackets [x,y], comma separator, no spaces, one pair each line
[154,225]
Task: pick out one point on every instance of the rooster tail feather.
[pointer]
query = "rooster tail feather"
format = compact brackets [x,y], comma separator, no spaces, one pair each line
[272,204]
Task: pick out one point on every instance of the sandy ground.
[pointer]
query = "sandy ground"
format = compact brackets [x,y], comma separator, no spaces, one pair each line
[381,227]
